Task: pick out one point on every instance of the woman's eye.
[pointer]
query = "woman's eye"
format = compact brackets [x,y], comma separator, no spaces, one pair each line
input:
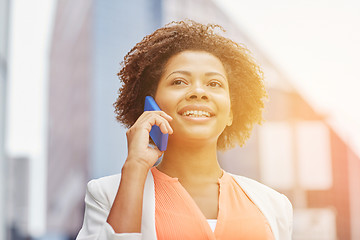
[178,82]
[215,84]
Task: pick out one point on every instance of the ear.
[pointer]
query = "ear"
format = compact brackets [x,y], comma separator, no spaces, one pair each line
[231,117]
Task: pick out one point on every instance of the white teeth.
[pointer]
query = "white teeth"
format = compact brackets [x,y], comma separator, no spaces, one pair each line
[196,113]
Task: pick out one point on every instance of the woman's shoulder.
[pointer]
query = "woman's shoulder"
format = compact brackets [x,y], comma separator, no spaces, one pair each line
[105,181]
[253,187]
[103,190]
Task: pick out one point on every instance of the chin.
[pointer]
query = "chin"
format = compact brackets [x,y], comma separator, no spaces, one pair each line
[195,137]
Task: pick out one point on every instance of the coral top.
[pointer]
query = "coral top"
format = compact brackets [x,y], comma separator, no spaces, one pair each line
[177,216]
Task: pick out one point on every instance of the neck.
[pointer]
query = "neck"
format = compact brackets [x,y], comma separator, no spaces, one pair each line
[191,162]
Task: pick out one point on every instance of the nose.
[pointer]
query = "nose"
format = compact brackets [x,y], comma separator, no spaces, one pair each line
[197,93]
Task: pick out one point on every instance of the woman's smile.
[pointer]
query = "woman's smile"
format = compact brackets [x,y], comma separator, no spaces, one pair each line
[194,90]
[196,112]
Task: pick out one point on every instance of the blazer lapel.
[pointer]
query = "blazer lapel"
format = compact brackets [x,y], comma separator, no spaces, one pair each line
[148,212]
[260,202]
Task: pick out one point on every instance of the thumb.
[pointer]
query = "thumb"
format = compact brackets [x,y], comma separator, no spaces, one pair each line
[155,152]
[159,153]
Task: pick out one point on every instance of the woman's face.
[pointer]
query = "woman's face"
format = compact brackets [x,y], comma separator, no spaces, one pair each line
[194,91]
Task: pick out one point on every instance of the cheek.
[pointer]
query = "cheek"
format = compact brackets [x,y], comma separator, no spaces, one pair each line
[164,101]
[167,98]
[160,97]
[160,102]
[227,107]
[226,101]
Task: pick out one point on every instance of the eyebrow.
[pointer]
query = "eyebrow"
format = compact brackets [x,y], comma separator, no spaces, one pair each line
[189,74]
[214,73]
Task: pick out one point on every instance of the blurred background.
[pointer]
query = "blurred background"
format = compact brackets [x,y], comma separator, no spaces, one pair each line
[59,60]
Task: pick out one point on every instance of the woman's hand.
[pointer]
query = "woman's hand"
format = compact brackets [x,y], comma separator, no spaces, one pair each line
[139,151]
[126,212]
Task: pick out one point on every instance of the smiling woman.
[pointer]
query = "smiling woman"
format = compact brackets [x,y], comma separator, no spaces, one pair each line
[211,94]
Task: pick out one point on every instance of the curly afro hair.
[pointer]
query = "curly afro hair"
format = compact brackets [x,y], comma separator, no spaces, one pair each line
[143,66]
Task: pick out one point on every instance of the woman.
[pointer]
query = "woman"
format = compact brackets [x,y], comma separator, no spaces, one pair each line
[211,94]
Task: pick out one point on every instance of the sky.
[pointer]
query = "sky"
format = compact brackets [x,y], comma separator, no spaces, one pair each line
[316,44]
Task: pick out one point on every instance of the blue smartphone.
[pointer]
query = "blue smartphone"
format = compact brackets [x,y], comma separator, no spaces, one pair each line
[156,135]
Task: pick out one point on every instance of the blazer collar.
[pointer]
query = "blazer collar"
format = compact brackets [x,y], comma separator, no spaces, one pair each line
[258,199]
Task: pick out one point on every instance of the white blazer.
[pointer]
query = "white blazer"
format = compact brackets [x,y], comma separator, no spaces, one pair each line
[101,193]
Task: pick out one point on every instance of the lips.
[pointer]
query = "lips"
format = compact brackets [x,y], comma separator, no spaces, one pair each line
[196,111]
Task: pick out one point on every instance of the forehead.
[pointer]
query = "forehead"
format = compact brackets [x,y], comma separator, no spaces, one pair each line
[194,61]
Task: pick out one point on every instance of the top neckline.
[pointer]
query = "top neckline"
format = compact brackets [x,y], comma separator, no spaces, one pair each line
[224,177]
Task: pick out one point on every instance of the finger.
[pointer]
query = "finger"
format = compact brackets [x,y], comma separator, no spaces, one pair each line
[155,118]
[159,153]
[169,128]
[164,128]
[161,113]
[167,118]
[162,123]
